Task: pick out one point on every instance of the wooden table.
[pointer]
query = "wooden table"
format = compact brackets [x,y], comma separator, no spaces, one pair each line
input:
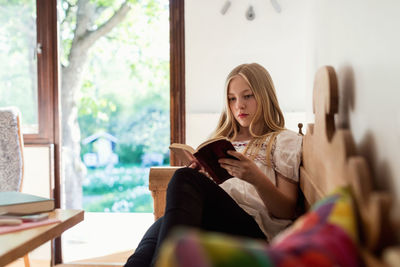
[16,244]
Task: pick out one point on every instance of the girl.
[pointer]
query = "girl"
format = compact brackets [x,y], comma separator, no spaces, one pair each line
[260,200]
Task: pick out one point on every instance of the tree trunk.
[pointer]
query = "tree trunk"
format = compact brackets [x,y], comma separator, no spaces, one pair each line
[71,80]
[74,169]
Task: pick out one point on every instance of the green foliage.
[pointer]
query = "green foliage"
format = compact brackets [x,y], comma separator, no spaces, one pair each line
[148,11]
[130,153]
[96,114]
[108,3]
[126,88]
[118,179]
[122,189]
[122,202]
[18,76]
[20,3]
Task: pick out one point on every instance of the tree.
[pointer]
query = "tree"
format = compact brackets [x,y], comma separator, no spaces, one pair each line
[86,31]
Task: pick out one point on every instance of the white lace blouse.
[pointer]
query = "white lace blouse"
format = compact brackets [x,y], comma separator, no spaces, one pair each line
[286,157]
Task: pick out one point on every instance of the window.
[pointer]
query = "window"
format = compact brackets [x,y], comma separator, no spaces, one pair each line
[18,78]
[30,61]
[28,80]
[29,76]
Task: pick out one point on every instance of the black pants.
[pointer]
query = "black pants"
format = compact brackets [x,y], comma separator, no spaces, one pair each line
[196,201]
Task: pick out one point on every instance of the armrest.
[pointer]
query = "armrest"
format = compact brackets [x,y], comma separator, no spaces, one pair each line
[158,182]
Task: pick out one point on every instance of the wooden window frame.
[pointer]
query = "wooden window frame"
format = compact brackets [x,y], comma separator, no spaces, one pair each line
[177,75]
[47,65]
[48,104]
[48,99]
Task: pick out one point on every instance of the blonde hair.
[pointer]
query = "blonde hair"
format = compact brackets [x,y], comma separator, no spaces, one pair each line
[268,120]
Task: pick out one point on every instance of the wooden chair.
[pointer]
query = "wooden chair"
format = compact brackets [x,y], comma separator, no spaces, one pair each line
[11,153]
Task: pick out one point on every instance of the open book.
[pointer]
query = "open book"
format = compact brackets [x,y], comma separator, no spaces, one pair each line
[207,155]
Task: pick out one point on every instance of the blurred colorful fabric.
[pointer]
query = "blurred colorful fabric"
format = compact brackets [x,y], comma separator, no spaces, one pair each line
[325,236]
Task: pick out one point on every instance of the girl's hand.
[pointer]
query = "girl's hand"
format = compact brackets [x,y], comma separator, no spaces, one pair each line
[243,168]
[196,165]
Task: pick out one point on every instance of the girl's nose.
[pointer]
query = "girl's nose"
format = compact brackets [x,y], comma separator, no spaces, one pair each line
[240,104]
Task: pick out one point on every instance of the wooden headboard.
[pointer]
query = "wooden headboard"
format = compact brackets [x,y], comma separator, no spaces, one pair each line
[329,160]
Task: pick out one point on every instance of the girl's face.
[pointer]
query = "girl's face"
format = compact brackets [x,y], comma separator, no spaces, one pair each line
[242,101]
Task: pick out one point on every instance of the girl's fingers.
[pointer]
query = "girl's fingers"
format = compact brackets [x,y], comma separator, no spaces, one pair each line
[231,162]
[194,165]
[228,166]
[225,166]
[236,154]
[232,170]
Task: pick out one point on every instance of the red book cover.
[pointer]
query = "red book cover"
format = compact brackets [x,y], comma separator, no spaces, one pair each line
[207,154]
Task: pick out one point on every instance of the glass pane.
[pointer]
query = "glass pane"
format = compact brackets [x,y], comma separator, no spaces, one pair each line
[121,127]
[18,68]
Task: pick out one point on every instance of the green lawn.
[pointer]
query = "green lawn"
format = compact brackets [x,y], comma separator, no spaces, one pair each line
[123,188]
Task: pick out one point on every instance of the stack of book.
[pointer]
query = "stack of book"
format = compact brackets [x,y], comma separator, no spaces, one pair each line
[20,211]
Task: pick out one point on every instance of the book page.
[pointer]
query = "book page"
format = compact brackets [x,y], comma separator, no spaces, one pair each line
[182,146]
[183,152]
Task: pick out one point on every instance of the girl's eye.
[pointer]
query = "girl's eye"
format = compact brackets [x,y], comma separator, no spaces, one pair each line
[247,96]
[231,99]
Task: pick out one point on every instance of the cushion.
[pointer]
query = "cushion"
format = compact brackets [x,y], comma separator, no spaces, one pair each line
[325,236]
[11,160]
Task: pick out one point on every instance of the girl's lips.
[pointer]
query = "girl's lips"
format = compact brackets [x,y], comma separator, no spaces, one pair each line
[242,115]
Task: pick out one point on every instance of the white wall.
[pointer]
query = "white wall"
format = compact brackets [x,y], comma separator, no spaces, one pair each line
[38,169]
[216,43]
[359,38]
